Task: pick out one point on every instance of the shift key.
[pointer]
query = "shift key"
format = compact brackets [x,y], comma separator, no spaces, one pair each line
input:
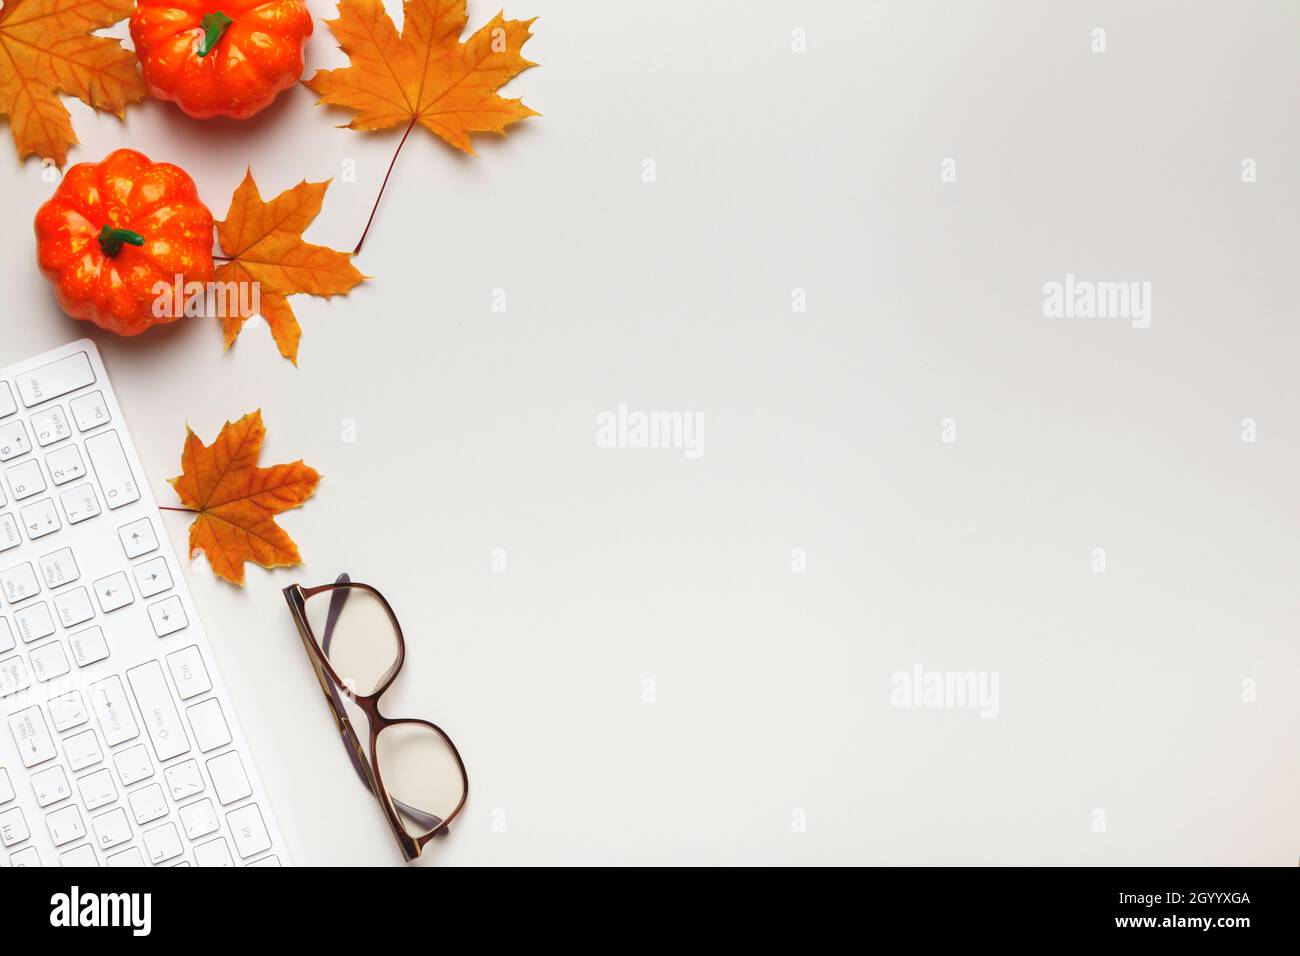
[112,469]
[158,710]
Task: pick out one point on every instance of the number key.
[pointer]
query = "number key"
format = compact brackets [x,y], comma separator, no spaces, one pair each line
[50,425]
[13,440]
[65,464]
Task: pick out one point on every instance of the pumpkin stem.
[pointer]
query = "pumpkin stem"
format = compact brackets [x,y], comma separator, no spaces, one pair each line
[214,27]
[111,239]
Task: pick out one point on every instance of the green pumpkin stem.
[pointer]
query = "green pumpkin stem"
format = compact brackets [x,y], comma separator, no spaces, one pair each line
[111,240]
[214,27]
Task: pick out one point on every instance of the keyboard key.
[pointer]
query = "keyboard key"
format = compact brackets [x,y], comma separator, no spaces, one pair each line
[79,503]
[138,538]
[19,583]
[97,789]
[7,405]
[89,646]
[188,672]
[74,607]
[65,825]
[6,788]
[113,592]
[128,857]
[184,779]
[6,636]
[13,440]
[111,468]
[50,425]
[67,711]
[249,831]
[147,804]
[133,765]
[162,843]
[13,827]
[84,855]
[90,411]
[13,676]
[50,786]
[34,622]
[65,464]
[49,661]
[108,698]
[229,779]
[152,577]
[9,535]
[82,750]
[40,518]
[55,379]
[199,819]
[59,568]
[213,853]
[31,736]
[209,725]
[271,860]
[159,711]
[26,857]
[111,828]
[25,480]
[168,616]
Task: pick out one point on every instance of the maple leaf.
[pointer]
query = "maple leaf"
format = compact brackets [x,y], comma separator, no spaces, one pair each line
[425,75]
[237,501]
[264,243]
[46,48]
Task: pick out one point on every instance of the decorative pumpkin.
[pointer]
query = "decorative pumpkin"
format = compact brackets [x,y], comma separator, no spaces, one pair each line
[220,57]
[116,232]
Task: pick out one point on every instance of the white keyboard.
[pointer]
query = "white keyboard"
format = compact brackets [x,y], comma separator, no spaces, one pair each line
[119,745]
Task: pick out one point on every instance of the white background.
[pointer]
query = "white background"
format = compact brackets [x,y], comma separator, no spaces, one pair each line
[779,170]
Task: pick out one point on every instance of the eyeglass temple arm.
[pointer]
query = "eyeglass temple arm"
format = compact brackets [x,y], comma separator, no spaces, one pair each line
[337,599]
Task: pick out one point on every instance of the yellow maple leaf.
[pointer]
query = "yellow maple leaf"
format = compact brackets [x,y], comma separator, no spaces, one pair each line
[45,49]
[425,75]
[236,501]
[264,243]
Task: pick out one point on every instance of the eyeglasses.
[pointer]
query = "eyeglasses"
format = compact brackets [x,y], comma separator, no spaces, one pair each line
[357,649]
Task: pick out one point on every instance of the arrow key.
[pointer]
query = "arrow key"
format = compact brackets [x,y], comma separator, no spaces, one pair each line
[138,538]
[114,592]
[152,577]
[168,616]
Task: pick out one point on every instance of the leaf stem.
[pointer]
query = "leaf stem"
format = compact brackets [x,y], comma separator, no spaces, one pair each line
[375,207]
[186,510]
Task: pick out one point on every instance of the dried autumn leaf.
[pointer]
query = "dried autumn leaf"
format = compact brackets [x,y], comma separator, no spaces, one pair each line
[425,75]
[264,243]
[236,501]
[45,49]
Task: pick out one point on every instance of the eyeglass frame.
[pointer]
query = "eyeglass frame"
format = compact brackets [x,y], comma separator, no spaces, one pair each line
[331,684]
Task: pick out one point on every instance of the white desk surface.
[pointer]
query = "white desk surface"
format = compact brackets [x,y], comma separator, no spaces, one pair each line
[779,170]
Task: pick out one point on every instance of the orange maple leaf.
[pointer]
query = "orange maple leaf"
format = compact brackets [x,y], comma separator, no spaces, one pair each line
[265,245]
[46,48]
[425,75]
[237,501]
